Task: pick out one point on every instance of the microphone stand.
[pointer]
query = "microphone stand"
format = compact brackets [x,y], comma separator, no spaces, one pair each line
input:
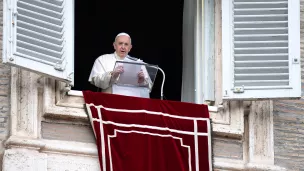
[162,86]
[163,82]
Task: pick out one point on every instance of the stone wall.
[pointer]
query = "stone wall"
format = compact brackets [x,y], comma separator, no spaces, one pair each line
[289,124]
[4,92]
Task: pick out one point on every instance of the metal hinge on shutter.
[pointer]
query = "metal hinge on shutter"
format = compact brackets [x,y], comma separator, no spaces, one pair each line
[14,15]
[238,89]
[60,67]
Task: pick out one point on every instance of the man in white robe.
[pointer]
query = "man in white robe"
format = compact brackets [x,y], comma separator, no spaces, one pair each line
[103,76]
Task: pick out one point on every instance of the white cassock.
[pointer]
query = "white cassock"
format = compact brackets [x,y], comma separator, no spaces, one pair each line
[101,77]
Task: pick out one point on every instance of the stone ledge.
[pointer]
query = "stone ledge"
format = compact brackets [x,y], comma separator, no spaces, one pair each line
[235,165]
[53,146]
[90,149]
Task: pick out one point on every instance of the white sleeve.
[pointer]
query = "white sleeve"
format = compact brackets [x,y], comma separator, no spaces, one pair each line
[99,77]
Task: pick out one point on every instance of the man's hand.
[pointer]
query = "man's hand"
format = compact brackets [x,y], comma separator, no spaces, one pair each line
[141,77]
[118,70]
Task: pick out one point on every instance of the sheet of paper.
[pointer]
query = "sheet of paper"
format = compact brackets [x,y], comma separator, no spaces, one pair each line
[129,76]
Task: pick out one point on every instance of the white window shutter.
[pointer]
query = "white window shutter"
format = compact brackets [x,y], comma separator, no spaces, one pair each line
[261,49]
[39,36]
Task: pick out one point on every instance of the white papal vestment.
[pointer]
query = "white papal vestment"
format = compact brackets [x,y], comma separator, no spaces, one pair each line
[101,77]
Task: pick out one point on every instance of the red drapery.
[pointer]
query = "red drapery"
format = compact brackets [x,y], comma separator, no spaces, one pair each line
[139,134]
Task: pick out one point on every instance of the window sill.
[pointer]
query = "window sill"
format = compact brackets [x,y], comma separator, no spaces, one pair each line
[77,93]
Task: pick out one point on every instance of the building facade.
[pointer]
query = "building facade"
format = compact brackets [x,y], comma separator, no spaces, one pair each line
[44,125]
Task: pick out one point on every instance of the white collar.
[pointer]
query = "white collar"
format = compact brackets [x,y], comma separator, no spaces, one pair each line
[118,57]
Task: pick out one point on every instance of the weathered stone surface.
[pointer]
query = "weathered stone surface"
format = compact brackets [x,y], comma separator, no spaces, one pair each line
[289,123]
[67,132]
[227,148]
[4,93]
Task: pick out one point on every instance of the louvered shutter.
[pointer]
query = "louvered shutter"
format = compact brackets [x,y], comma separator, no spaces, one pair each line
[39,36]
[261,49]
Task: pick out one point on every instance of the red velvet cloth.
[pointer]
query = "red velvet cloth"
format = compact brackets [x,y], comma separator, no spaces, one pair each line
[139,134]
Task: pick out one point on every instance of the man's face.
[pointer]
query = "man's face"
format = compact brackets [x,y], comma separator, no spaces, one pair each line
[122,46]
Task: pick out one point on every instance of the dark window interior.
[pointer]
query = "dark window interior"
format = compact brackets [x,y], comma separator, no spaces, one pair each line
[154,26]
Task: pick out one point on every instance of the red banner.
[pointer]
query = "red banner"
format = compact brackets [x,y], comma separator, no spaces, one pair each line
[139,134]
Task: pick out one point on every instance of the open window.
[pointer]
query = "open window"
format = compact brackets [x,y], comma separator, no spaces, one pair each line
[261,49]
[156,38]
